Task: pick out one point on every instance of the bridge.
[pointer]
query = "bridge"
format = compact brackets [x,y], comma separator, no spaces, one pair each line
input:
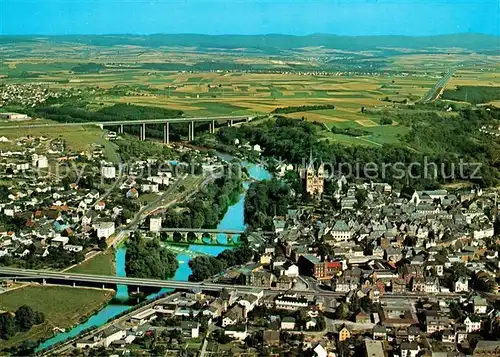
[104,280]
[202,231]
[166,121]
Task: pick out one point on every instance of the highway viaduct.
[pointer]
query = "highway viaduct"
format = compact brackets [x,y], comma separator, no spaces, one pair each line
[230,120]
[106,281]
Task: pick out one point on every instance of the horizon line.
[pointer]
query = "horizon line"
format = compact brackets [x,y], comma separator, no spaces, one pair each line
[243,35]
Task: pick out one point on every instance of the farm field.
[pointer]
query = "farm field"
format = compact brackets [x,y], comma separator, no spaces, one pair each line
[78,138]
[62,306]
[188,79]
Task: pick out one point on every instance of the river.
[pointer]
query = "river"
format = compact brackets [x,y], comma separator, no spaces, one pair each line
[233,219]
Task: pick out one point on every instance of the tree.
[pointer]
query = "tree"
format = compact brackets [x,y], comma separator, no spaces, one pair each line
[26,318]
[386,121]
[343,311]
[7,326]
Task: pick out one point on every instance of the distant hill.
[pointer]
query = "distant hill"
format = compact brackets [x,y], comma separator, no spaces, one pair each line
[275,43]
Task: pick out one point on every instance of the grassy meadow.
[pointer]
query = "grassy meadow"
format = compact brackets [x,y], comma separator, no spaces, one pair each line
[62,306]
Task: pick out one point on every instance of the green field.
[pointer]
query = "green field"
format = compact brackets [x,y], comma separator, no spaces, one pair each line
[63,307]
[101,264]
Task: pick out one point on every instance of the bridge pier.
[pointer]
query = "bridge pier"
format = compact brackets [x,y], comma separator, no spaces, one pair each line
[74,284]
[166,133]
[229,238]
[121,129]
[232,123]
[143,131]
[138,291]
[192,130]
[213,126]
[44,282]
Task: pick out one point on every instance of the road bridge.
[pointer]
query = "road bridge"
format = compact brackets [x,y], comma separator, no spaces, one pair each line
[165,121]
[14,273]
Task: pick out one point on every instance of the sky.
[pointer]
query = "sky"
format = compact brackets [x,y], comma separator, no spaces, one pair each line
[294,17]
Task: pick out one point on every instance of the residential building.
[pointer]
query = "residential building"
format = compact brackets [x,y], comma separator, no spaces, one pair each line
[472,324]
[344,334]
[104,229]
[461,285]
[288,323]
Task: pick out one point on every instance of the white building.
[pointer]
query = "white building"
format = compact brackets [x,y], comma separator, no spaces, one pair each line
[59,241]
[73,248]
[104,229]
[112,334]
[480,305]
[39,161]
[149,188]
[472,324]
[108,172]
[340,231]
[155,224]
[288,323]
[462,284]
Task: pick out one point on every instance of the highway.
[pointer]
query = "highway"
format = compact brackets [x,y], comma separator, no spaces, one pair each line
[434,92]
[128,122]
[13,273]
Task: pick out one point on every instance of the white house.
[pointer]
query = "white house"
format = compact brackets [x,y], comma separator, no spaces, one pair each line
[480,305]
[472,323]
[319,351]
[104,229]
[340,231]
[149,188]
[462,284]
[155,224]
[39,161]
[108,172]
[59,241]
[288,323]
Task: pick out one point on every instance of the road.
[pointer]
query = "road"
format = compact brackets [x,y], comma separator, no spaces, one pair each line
[12,273]
[128,122]
[435,91]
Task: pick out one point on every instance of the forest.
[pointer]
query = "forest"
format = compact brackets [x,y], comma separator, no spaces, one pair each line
[146,258]
[68,113]
[264,201]
[472,94]
[88,68]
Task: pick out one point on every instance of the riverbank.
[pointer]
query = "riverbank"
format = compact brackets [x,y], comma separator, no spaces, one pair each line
[232,220]
[63,307]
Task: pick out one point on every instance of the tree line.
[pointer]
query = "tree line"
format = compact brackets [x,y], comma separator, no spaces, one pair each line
[349,131]
[302,108]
